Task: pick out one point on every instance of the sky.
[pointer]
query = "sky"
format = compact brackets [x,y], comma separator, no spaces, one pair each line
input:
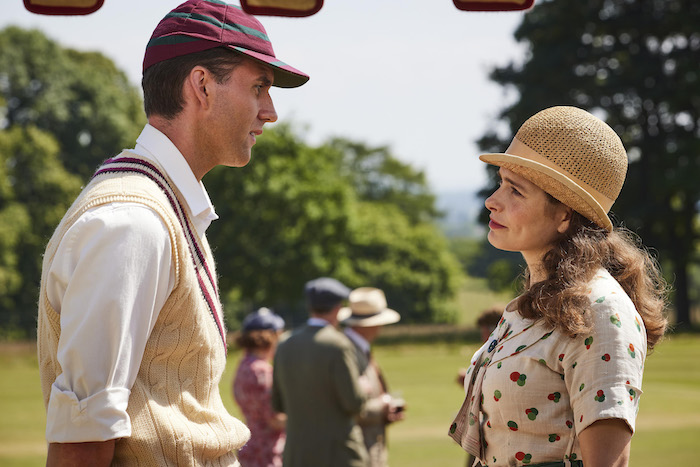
[408,74]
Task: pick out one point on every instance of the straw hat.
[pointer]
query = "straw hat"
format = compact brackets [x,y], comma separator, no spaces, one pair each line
[367,308]
[572,155]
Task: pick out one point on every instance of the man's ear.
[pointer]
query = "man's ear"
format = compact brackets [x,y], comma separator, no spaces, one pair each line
[196,87]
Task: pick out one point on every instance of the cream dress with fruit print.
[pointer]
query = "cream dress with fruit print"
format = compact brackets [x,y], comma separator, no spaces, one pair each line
[541,388]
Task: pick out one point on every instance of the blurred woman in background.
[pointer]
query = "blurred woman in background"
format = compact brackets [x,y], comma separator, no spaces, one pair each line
[251,388]
[558,381]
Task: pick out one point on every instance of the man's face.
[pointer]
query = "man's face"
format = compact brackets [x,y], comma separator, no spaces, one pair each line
[370,333]
[240,107]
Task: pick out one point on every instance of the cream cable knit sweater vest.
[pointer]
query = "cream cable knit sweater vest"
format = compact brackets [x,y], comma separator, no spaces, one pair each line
[177,415]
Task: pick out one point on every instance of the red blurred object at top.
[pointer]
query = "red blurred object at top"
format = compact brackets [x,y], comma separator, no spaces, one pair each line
[297,8]
[63,7]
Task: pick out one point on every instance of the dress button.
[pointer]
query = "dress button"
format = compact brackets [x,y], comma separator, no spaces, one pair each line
[493,345]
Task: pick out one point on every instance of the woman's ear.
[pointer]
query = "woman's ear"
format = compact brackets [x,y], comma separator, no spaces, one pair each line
[564,217]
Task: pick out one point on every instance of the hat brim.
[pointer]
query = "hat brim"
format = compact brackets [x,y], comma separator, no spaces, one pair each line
[555,183]
[384,317]
[285,76]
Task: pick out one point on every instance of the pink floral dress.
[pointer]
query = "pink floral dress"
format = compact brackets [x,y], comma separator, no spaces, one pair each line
[251,389]
[539,388]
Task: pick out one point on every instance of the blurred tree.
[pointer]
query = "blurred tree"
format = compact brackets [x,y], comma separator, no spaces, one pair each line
[285,220]
[35,191]
[412,263]
[81,98]
[378,176]
[634,63]
[342,209]
[61,113]
[297,212]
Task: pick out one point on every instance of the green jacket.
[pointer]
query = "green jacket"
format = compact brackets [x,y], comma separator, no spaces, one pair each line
[315,382]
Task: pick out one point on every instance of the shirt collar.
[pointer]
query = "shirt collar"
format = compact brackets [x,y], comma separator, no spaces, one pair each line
[155,146]
[359,341]
[317,322]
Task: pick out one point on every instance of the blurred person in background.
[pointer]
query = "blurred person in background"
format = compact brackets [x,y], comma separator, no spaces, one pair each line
[559,382]
[252,386]
[486,322]
[316,383]
[363,318]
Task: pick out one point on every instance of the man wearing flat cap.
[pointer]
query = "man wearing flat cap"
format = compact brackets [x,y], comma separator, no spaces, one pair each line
[363,318]
[315,382]
[131,338]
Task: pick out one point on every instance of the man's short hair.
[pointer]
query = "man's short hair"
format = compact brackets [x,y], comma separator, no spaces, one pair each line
[324,294]
[162,82]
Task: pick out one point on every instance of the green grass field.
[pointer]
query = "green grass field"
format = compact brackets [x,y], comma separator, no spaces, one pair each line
[668,427]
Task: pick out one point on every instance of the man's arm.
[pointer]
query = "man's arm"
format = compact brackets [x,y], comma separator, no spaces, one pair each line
[346,376]
[96,454]
[109,279]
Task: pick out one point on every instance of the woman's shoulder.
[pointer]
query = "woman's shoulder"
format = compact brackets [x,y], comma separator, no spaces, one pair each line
[611,308]
[604,291]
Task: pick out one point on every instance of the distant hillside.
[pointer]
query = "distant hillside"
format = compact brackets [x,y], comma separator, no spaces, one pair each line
[461,209]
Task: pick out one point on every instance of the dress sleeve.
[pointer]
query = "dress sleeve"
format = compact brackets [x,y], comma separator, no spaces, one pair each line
[603,368]
[261,385]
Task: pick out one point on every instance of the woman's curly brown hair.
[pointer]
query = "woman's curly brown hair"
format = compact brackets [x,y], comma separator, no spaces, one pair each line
[561,299]
[256,339]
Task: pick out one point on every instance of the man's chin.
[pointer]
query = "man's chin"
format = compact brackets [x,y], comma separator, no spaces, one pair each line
[240,161]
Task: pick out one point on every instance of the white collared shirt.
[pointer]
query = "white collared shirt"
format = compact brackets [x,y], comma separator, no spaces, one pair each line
[111,275]
[314,321]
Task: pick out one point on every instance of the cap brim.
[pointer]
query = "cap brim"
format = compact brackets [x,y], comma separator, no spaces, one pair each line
[555,183]
[285,76]
[386,316]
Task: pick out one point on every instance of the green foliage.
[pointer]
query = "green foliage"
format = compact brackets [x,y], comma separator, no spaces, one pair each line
[284,221]
[81,98]
[378,176]
[35,191]
[479,259]
[635,64]
[61,113]
[411,263]
[297,212]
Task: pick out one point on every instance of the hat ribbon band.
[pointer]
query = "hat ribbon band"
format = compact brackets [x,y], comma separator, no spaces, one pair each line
[364,315]
[520,149]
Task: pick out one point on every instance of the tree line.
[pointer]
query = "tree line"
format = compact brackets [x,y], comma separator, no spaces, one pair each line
[296,212]
[356,212]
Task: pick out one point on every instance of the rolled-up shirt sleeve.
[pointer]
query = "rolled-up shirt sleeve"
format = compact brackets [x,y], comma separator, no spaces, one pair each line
[111,275]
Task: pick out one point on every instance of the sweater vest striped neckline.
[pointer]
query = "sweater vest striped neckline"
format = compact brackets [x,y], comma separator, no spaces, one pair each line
[207,284]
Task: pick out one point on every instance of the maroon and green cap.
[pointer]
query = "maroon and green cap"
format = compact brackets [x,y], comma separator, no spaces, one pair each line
[199,25]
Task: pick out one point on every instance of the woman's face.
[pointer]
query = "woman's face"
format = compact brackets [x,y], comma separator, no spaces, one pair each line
[523,218]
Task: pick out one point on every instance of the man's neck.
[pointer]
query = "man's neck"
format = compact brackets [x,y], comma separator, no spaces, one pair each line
[178,133]
[330,317]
